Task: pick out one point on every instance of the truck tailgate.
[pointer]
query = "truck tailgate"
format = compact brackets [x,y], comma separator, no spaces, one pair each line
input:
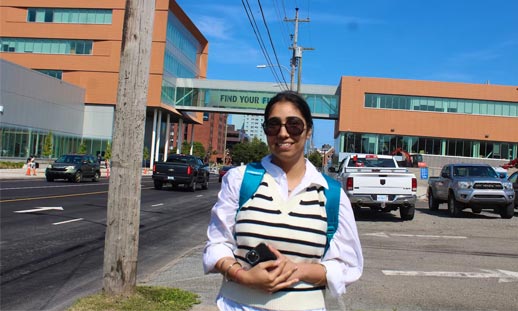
[373,183]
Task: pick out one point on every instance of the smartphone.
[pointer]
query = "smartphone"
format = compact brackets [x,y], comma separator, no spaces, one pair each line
[259,254]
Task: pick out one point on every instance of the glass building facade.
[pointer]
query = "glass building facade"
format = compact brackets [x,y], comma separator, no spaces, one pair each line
[69,16]
[17,142]
[46,46]
[446,105]
[180,58]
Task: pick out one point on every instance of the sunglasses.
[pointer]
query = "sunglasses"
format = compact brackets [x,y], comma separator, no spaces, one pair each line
[294,126]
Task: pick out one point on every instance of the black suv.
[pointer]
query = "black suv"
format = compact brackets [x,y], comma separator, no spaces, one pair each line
[74,167]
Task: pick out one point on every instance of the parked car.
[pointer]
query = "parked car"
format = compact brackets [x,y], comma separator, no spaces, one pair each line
[223,170]
[474,186]
[514,180]
[74,167]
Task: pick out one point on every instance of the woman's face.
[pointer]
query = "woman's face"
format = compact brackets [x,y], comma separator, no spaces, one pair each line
[286,147]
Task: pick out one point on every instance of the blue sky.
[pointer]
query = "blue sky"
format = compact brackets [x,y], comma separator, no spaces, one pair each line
[467,41]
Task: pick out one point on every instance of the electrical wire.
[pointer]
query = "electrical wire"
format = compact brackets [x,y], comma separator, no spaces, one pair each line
[260,40]
[271,42]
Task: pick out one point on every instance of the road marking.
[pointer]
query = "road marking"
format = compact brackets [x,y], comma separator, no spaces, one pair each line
[67,221]
[427,236]
[40,209]
[503,276]
[199,195]
[53,196]
[57,186]
[159,204]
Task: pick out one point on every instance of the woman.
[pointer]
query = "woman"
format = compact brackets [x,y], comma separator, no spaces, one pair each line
[287,213]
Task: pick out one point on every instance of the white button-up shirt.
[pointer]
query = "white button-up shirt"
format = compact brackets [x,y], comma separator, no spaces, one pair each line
[343,260]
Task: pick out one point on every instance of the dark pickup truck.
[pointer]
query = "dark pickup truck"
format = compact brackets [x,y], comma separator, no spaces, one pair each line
[180,169]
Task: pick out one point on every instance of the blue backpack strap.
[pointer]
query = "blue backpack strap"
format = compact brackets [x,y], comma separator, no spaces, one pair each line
[332,207]
[251,180]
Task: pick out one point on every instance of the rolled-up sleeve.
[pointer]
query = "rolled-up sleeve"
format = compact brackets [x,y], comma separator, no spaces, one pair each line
[221,241]
[344,259]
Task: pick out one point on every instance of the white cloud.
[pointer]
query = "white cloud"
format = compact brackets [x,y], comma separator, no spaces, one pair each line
[214,27]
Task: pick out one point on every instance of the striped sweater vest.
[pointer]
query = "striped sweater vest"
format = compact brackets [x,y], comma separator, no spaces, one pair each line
[296,227]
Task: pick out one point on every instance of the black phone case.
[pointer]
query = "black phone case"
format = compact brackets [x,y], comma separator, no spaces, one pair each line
[264,254]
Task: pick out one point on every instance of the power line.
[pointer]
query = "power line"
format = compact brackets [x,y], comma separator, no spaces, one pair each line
[271,42]
[259,38]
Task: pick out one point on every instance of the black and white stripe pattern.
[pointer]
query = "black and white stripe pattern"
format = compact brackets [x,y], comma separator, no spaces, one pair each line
[296,227]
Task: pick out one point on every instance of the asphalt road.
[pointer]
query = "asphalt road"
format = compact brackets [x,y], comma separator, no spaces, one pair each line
[434,262]
[51,257]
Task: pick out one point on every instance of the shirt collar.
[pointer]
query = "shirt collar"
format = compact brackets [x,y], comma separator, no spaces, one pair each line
[311,177]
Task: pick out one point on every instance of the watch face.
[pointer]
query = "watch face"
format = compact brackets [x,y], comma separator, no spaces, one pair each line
[252,257]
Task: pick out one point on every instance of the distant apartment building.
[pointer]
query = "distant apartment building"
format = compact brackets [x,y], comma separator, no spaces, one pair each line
[251,124]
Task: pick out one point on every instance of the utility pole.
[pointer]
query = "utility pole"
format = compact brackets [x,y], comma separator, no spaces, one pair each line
[296,59]
[123,215]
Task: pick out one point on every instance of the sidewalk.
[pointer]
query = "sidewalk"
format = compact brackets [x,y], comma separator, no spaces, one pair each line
[186,272]
[19,173]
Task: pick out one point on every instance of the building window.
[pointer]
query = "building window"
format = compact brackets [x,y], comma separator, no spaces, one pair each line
[46,46]
[58,74]
[447,105]
[69,16]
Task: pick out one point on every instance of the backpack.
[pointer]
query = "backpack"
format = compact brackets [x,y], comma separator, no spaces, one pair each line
[254,175]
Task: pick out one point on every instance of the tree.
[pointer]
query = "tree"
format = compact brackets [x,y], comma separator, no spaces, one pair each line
[247,152]
[315,158]
[82,148]
[108,152]
[123,210]
[197,150]
[48,145]
[145,153]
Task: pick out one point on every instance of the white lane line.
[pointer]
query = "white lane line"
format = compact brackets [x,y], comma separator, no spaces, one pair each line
[159,204]
[58,186]
[67,221]
[503,276]
[426,236]
[40,209]
[199,195]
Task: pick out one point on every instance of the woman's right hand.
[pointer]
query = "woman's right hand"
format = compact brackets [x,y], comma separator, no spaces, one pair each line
[269,276]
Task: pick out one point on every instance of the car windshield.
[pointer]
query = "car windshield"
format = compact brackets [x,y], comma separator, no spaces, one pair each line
[69,159]
[176,159]
[371,162]
[474,171]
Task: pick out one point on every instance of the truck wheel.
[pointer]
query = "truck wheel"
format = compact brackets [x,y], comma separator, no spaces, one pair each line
[454,206]
[78,177]
[507,212]
[205,184]
[192,186]
[96,177]
[433,204]
[158,184]
[356,210]
[407,212]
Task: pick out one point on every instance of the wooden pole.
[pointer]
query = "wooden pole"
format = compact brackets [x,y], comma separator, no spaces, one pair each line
[122,230]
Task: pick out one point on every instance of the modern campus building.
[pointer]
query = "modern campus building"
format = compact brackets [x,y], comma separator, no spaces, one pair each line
[455,119]
[78,43]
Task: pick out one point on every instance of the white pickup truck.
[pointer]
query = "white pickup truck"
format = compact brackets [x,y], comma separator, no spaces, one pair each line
[376,181]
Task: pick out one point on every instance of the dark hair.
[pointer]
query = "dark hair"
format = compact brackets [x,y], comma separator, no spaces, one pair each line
[295,99]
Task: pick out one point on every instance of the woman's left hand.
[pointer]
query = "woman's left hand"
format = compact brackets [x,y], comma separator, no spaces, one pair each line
[287,266]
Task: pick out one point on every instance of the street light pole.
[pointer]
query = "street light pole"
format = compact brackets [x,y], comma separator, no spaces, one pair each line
[280,66]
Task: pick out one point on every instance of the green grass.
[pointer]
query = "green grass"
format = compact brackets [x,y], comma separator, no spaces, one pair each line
[6,164]
[146,298]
